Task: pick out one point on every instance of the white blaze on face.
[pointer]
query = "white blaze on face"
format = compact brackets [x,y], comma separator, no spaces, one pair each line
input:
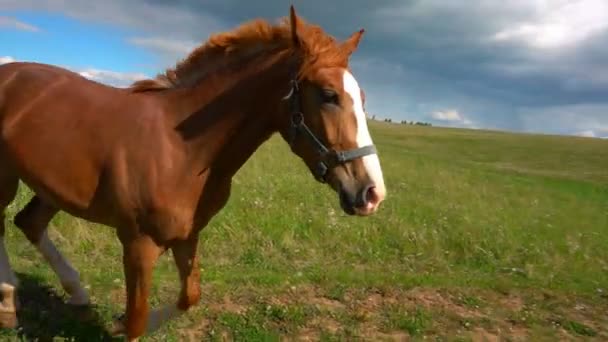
[363,138]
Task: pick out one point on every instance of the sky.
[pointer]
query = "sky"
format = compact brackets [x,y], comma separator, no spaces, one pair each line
[538,66]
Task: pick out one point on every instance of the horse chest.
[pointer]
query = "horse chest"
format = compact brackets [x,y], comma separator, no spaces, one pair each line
[165,223]
[177,222]
[167,212]
[213,198]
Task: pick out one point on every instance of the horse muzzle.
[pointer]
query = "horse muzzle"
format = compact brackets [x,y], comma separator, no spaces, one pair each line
[362,202]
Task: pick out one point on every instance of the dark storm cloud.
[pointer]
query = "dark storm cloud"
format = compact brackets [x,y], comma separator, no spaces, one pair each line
[508,65]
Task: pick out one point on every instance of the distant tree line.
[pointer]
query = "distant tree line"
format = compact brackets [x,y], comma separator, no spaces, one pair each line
[405,122]
[417,123]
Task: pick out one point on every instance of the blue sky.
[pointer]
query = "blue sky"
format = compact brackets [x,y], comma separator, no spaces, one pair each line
[529,66]
[57,39]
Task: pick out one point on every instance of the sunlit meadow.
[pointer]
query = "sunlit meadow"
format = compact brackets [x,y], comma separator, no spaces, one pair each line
[482,235]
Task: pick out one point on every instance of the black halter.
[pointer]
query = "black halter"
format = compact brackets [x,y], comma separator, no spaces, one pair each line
[327,157]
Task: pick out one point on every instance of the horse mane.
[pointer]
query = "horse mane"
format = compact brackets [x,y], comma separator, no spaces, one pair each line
[253,37]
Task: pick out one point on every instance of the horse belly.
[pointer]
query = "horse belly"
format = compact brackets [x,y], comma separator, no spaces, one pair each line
[51,153]
[62,176]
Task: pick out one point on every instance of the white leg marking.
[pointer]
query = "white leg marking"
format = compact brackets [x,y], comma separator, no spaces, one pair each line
[370,162]
[6,272]
[68,276]
[160,316]
[8,285]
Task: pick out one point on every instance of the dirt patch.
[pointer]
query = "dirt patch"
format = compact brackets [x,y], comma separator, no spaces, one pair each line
[307,295]
[118,295]
[227,305]
[327,304]
[396,336]
[372,302]
[369,332]
[307,334]
[589,316]
[328,324]
[482,335]
[512,303]
[196,333]
[433,299]
[379,315]
[518,333]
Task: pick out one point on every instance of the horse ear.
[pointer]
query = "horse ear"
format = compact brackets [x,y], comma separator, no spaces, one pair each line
[294,24]
[351,44]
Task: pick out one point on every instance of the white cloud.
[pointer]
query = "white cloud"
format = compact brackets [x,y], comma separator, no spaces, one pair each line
[165,44]
[559,23]
[14,23]
[592,134]
[419,57]
[6,59]
[447,115]
[171,49]
[452,117]
[154,17]
[118,79]
[113,78]
[588,134]
[584,119]
[155,21]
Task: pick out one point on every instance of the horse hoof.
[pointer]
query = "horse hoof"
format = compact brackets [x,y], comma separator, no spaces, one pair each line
[8,314]
[78,302]
[117,328]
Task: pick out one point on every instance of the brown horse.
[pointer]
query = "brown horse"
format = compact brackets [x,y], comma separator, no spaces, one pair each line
[155,160]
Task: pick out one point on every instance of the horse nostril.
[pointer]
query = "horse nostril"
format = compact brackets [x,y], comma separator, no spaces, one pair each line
[372,195]
[367,196]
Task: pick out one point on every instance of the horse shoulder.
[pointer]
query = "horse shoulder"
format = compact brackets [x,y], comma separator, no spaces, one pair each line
[168,207]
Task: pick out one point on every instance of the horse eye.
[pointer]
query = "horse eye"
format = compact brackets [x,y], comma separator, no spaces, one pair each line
[329,96]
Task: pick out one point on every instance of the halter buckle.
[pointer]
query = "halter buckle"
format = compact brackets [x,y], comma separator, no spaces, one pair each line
[297,118]
[321,171]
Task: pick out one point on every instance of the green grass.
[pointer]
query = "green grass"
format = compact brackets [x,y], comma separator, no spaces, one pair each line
[481,233]
[413,322]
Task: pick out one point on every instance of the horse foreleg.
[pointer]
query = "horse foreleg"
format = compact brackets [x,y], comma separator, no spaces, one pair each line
[184,253]
[139,257]
[33,220]
[186,260]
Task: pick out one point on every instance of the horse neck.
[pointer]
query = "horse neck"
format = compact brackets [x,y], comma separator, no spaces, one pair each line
[226,117]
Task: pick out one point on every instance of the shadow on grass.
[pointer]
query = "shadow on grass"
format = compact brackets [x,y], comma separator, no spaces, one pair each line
[44,316]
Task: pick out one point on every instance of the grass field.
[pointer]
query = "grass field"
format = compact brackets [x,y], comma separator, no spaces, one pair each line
[483,235]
